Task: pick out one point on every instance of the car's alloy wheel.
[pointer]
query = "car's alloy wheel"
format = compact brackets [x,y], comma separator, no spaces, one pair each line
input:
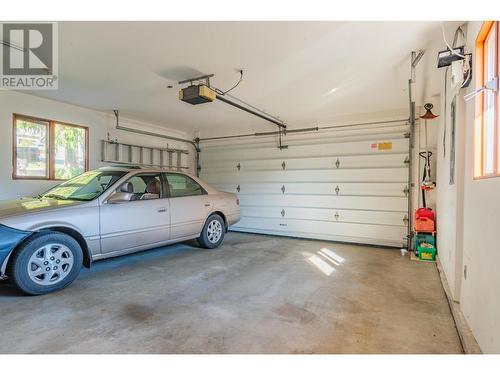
[45,262]
[214,231]
[50,264]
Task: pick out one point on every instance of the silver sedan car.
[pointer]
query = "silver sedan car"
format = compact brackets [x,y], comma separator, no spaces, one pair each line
[108,212]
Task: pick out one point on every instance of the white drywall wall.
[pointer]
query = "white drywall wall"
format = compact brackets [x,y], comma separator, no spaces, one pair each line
[480,295]
[450,195]
[99,124]
[468,221]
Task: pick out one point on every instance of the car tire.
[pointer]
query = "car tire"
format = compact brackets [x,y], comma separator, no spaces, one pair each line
[213,232]
[45,262]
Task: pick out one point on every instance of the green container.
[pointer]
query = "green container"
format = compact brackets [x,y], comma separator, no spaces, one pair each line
[423,237]
[426,253]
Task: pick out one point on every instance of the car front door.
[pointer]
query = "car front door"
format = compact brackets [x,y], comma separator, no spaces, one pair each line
[189,205]
[139,221]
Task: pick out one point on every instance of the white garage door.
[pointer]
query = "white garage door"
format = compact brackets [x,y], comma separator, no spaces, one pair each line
[343,185]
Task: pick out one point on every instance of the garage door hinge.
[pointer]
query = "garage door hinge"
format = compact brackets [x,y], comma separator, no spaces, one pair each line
[238,166]
[283,212]
[283,189]
[337,163]
[283,165]
[238,188]
[407,135]
[407,160]
[337,189]
[336,216]
[405,220]
[406,191]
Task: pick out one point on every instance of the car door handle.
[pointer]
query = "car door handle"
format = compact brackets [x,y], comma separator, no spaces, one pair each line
[162,209]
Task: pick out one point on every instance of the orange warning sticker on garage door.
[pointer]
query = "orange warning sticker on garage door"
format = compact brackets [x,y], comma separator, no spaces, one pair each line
[385,146]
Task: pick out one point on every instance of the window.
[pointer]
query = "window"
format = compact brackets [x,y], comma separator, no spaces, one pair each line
[183,186]
[145,186]
[487,132]
[31,144]
[84,187]
[49,150]
[70,149]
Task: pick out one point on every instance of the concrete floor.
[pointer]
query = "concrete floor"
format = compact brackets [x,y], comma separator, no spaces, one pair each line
[255,294]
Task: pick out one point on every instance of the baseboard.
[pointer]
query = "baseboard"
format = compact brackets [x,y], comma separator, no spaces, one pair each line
[467,339]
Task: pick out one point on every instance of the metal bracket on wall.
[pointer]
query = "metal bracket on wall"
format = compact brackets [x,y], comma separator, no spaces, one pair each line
[238,188]
[337,163]
[337,189]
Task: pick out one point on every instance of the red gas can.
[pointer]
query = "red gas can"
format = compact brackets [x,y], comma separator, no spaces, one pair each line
[424,212]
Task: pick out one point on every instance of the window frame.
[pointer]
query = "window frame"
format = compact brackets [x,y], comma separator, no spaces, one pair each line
[50,147]
[167,185]
[479,127]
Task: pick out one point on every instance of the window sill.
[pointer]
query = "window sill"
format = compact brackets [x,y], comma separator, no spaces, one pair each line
[37,178]
[486,176]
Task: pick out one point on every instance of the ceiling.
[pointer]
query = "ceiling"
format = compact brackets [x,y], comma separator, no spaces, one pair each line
[307,73]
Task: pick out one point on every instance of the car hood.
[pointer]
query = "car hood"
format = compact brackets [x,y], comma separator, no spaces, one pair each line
[22,206]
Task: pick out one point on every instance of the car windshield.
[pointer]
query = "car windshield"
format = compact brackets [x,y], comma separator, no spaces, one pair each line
[84,187]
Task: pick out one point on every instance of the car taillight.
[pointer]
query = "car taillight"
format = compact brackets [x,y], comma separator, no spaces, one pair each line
[237,201]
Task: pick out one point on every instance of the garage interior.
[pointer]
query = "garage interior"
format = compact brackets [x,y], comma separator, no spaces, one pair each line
[327,156]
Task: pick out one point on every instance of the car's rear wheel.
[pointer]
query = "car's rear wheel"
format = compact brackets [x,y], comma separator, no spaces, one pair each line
[45,262]
[212,234]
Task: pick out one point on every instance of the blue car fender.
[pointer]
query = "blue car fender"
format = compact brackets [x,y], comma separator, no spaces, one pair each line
[9,239]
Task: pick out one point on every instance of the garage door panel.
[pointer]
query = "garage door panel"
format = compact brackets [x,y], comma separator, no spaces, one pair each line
[326,201]
[395,189]
[331,162]
[259,152]
[334,175]
[326,214]
[364,233]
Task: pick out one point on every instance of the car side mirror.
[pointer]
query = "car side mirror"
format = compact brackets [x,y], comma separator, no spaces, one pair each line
[119,197]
